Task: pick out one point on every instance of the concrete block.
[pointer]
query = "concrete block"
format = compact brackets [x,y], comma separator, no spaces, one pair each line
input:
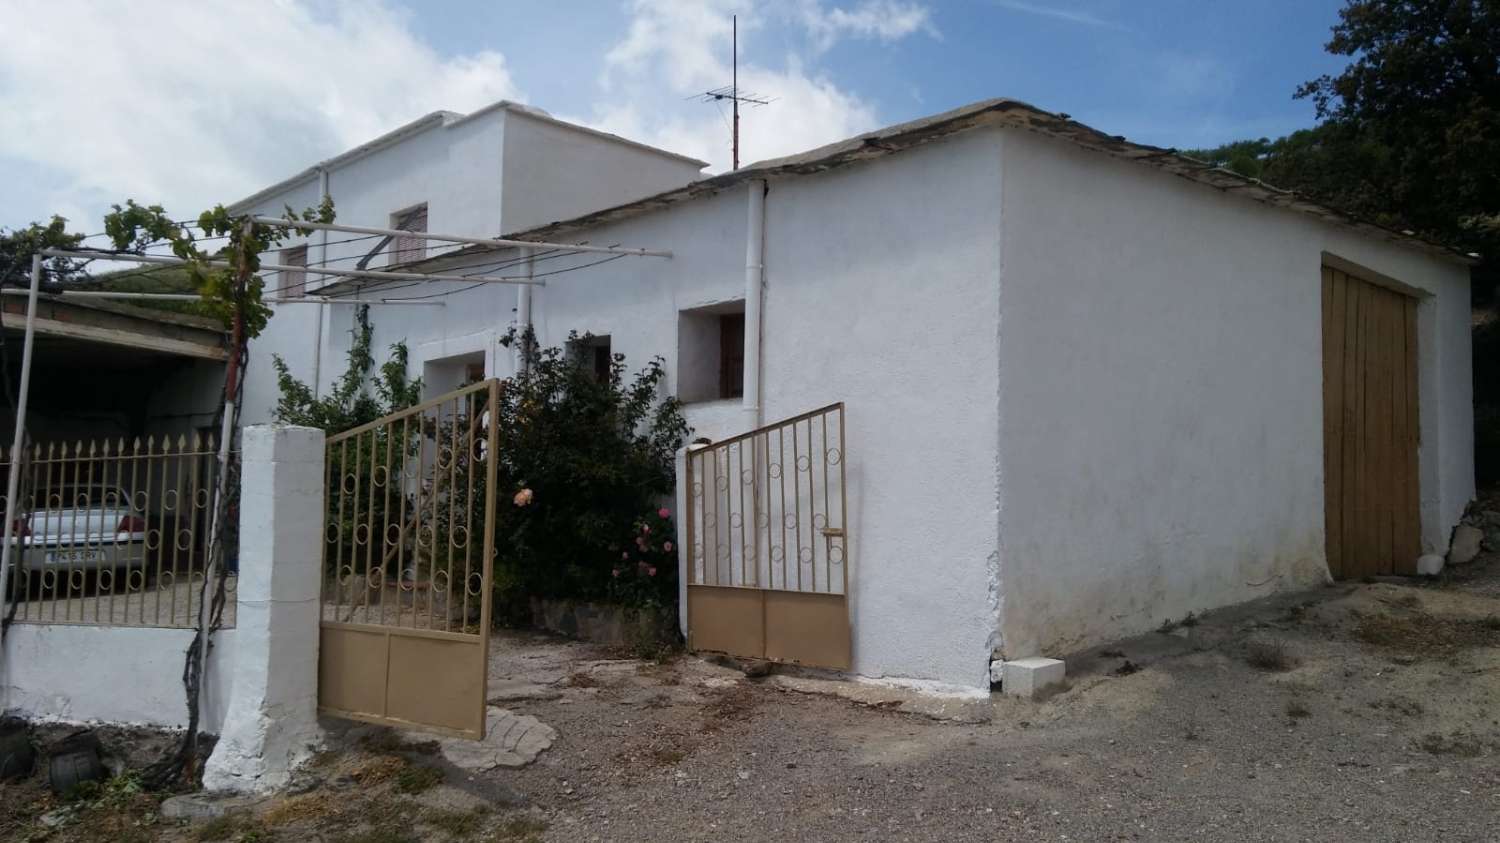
[1029,677]
[1430,565]
[1465,545]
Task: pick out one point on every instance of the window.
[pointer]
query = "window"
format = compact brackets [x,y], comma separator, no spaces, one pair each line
[294,281]
[711,352]
[731,355]
[408,249]
[593,352]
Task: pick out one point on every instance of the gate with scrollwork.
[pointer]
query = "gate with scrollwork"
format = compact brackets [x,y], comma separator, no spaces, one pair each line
[768,543]
[407,559]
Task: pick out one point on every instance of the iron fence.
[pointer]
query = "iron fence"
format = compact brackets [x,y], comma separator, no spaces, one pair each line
[410,516]
[115,533]
[766,508]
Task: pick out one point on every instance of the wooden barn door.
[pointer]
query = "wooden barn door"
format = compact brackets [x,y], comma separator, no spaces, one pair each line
[1369,427]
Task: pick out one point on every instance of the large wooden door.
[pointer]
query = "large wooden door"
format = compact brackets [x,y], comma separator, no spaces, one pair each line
[1369,428]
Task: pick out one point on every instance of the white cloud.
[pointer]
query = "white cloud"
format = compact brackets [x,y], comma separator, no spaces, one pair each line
[1062,13]
[206,102]
[674,49]
[886,20]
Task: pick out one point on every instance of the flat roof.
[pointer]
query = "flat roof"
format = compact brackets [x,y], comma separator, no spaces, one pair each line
[447,119]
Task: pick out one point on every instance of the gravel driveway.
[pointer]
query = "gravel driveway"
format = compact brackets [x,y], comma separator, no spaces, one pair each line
[1373,716]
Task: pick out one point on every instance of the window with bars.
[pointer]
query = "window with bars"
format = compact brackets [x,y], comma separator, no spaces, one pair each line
[294,281]
[408,249]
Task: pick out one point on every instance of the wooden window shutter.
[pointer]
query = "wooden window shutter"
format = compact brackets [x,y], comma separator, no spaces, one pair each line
[731,355]
[294,282]
[408,249]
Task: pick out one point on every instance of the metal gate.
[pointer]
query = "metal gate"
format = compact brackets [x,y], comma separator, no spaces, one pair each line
[410,524]
[767,534]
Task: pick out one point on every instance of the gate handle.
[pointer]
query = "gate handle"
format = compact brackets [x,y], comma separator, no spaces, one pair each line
[833,532]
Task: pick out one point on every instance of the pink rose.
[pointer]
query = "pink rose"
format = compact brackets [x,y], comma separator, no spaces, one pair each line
[617,572]
[664,512]
[651,570]
[646,528]
[625,554]
[523,497]
[667,546]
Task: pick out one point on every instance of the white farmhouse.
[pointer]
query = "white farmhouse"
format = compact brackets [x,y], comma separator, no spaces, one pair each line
[1088,386]
[506,166]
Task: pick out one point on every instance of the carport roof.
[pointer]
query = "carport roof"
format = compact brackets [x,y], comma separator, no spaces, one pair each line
[115,325]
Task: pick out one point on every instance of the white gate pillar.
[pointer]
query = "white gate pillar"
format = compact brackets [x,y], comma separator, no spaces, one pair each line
[271,724]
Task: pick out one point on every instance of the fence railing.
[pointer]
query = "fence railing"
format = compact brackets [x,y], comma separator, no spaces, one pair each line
[766,508]
[410,516]
[115,533]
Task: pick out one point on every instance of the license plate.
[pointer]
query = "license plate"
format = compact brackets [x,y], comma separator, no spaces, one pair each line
[67,557]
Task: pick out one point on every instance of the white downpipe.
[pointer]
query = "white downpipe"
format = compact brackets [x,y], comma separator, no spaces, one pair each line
[755,251]
[523,309]
[18,441]
[322,314]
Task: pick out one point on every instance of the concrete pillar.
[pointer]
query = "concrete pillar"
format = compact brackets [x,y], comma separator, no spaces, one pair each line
[271,724]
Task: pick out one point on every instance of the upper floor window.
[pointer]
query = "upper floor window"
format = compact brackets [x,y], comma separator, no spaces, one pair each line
[294,282]
[408,249]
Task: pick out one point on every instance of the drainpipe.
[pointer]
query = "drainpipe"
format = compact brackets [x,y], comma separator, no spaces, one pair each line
[322,311]
[755,248]
[523,308]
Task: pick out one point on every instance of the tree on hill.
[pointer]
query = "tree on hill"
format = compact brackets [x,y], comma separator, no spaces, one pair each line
[1409,132]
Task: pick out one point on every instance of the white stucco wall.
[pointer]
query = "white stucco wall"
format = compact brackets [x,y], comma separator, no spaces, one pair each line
[880,291]
[492,171]
[1160,375]
[86,674]
[555,172]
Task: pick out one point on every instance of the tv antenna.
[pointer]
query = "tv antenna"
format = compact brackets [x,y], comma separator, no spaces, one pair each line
[732,91]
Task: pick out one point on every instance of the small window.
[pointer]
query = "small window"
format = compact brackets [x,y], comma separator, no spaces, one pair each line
[294,281]
[408,249]
[593,352]
[711,352]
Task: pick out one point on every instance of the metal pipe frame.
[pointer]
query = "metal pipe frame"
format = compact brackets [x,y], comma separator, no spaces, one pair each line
[472,241]
[276,267]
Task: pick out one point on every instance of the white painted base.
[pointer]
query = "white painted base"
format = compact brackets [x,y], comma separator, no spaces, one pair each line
[1430,565]
[1029,677]
[272,723]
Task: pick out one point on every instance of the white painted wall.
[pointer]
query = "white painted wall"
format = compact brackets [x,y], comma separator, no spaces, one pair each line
[881,291]
[101,674]
[557,171]
[1161,398]
[499,169]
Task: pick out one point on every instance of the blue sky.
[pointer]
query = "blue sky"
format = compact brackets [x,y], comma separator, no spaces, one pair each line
[1167,72]
[295,81]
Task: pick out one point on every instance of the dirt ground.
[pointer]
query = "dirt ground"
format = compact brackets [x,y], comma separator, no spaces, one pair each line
[1360,711]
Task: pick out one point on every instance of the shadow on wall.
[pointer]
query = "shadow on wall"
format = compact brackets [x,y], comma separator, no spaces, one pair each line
[1486,306]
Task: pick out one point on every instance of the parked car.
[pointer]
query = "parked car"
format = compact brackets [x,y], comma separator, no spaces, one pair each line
[83,528]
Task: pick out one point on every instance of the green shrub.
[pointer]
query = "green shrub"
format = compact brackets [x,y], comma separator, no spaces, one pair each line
[585,462]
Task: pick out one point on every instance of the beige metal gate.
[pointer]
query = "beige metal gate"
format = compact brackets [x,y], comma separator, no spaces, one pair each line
[769,545]
[410,524]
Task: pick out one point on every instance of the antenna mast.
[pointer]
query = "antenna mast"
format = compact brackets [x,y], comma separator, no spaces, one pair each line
[732,92]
